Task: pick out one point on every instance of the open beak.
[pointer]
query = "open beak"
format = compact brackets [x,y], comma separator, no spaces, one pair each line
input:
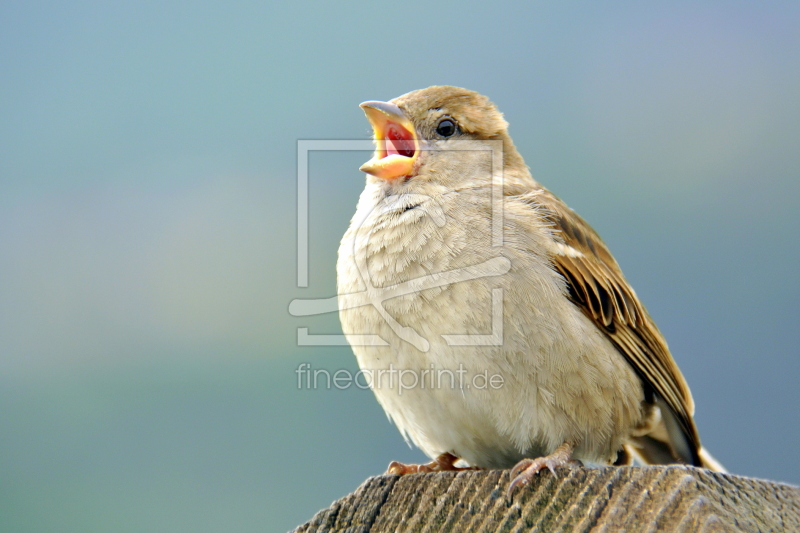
[396,145]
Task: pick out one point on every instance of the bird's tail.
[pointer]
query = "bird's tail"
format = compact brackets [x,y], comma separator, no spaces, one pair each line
[649,451]
[709,461]
[664,441]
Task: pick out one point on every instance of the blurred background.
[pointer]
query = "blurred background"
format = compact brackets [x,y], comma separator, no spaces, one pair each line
[148,230]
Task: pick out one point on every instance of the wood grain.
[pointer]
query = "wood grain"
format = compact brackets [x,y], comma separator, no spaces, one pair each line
[648,499]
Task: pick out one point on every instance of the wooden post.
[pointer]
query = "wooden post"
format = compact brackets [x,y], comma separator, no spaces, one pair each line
[611,499]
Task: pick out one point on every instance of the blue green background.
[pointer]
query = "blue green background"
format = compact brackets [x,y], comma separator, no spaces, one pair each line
[148,230]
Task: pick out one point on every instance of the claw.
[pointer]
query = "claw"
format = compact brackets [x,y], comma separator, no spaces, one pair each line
[522,465]
[401,469]
[524,471]
[443,463]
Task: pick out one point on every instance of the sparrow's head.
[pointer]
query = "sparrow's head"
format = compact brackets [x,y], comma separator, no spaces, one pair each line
[417,135]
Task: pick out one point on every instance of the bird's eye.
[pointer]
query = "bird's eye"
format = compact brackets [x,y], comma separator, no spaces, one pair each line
[446,128]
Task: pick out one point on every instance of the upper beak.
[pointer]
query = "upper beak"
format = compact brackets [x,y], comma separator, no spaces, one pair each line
[397,146]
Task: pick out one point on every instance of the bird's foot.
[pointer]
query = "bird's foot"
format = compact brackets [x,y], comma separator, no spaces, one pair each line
[443,463]
[522,474]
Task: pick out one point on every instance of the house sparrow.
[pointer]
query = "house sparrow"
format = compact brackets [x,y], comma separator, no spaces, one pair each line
[492,323]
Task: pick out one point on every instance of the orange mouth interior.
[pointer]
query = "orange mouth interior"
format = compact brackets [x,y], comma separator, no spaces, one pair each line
[397,140]
[396,148]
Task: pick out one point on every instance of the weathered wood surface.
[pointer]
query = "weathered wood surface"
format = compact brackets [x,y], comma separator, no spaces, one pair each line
[649,499]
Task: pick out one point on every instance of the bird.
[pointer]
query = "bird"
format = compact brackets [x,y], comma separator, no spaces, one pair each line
[490,320]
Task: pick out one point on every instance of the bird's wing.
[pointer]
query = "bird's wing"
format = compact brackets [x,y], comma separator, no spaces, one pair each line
[597,286]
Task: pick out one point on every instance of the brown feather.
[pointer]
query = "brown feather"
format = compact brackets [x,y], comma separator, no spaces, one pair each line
[596,285]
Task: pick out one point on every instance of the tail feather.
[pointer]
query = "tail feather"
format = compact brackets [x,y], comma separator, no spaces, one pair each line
[649,451]
[664,442]
[710,462]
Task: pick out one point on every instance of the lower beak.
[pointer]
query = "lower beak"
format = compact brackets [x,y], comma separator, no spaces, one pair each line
[397,147]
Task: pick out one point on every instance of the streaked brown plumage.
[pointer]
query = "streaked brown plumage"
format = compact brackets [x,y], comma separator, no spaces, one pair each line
[596,285]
